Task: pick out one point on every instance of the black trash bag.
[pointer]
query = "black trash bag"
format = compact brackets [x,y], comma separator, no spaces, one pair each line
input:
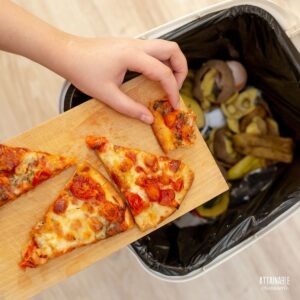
[252,36]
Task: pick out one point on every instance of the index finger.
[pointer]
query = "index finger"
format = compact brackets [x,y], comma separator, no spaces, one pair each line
[155,70]
[168,51]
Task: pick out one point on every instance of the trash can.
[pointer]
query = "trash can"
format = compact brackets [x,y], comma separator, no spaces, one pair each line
[260,36]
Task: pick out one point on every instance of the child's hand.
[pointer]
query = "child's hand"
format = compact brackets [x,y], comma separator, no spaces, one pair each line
[98,66]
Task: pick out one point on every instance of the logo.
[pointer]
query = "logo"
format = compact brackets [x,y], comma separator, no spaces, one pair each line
[274,283]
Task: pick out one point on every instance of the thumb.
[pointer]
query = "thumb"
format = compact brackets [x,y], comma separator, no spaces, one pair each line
[116,99]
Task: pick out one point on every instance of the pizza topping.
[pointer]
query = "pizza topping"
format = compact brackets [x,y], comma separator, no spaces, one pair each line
[164,179]
[126,165]
[116,178]
[151,162]
[60,205]
[69,237]
[174,165]
[187,132]
[135,202]
[131,155]
[177,185]
[141,180]
[111,212]
[170,119]
[98,143]
[85,188]
[139,169]
[153,192]
[9,158]
[40,176]
[28,256]
[95,224]
[87,206]
[167,198]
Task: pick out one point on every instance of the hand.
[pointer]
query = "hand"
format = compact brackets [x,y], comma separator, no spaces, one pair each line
[97,67]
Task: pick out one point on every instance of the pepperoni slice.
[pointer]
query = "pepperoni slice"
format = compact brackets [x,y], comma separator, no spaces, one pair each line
[126,165]
[86,188]
[141,180]
[97,142]
[60,205]
[10,158]
[40,176]
[177,185]
[139,169]
[152,191]
[167,198]
[174,165]
[135,202]
[164,179]
[111,212]
[131,155]
[151,162]
[95,224]
[170,119]
[116,179]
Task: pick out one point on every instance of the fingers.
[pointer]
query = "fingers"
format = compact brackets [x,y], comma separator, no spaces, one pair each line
[168,51]
[157,71]
[120,102]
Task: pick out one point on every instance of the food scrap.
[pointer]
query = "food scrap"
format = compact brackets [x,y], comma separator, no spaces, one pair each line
[248,138]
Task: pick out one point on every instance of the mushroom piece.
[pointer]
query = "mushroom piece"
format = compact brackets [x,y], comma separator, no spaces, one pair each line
[241,104]
[213,82]
[223,148]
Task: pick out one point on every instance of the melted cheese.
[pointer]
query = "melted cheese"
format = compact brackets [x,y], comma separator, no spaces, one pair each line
[76,226]
[155,213]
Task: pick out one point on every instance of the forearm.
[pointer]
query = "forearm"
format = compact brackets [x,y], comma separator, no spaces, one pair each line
[24,34]
[96,66]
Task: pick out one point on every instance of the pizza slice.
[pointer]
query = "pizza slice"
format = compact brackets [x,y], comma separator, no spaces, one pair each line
[22,169]
[172,128]
[87,210]
[154,186]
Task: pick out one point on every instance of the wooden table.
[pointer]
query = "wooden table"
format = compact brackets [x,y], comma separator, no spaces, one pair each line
[28,96]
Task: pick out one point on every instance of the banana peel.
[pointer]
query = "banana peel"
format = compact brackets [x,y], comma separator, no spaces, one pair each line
[264,146]
[233,125]
[245,166]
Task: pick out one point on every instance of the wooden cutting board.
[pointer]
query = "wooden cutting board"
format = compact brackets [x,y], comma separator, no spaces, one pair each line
[65,134]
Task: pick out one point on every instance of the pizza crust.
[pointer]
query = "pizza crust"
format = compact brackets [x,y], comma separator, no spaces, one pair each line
[188,176]
[152,216]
